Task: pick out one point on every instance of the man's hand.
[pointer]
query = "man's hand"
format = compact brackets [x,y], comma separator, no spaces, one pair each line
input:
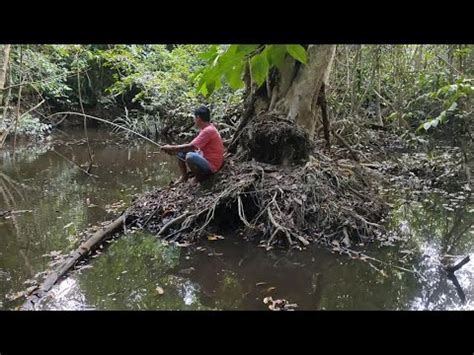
[168,149]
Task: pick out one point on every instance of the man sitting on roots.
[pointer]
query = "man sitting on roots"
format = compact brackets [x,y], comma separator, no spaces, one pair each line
[204,156]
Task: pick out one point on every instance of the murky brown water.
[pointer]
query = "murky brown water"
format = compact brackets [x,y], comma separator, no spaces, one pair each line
[225,274]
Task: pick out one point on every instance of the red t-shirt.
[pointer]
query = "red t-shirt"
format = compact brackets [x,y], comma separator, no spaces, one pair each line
[209,141]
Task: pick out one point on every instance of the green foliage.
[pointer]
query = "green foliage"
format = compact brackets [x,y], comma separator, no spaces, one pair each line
[276,55]
[52,73]
[298,52]
[28,125]
[226,64]
[413,86]
[155,85]
[158,84]
[450,95]
[259,67]
[42,67]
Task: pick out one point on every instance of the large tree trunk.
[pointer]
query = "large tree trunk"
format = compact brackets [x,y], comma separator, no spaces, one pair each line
[285,112]
[300,99]
[4,58]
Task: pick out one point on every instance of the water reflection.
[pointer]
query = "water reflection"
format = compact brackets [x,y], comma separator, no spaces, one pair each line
[441,230]
[67,295]
[428,229]
[63,200]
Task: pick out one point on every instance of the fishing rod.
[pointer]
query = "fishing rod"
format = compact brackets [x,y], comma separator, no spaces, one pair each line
[108,122]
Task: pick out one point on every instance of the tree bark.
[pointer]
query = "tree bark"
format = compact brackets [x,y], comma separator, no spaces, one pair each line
[4,59]
[298,101]
[282,117]
[326,124]
[18,103]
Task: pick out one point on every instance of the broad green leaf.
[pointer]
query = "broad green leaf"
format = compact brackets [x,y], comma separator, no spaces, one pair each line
[210,86]
[276,55]
[228,61]
[232,49]
[245,48]
[203,90]
[297,51]
[218,84]
[210,54]
[259,68]
[234,76]
[212,74]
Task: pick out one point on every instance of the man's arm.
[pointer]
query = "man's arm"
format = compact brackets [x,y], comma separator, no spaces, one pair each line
[173,149]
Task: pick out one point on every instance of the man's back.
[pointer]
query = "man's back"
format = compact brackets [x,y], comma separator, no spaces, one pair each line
[210,143]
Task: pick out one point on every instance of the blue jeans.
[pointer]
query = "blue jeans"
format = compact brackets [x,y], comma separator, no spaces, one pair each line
[196,162]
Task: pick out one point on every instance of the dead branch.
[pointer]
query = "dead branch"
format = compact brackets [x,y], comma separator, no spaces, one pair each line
[83,251]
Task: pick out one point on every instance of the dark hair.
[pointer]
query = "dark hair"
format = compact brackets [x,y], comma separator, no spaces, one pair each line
[203,112]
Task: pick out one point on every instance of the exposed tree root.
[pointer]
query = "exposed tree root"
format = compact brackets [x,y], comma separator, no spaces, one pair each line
[287,207]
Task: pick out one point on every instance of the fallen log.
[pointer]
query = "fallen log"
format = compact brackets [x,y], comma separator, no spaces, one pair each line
[84,250]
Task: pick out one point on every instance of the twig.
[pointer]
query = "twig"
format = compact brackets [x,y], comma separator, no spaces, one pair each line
[363,257]
[176,232]
[32,109]
[344,143]
[170,223]
[60,121]
[362,218]
[242,217]
[384,99]
[445,61]
[151,216]
[301,239]
[268,204]
[278,226]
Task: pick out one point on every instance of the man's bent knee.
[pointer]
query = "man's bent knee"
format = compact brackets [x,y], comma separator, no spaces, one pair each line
[198,164]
